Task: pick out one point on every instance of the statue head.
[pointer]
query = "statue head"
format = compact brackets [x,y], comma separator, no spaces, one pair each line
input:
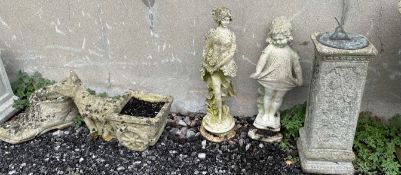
[280,32]
[222,16]
[67,87]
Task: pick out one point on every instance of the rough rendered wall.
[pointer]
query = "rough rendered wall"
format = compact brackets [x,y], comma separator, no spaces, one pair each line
[156,45]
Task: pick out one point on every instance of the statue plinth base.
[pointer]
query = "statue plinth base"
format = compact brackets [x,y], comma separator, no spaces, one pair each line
[259,134]
[272,123]
[217,138]
[218,130]
[313,161]
[335,95]
[218,126]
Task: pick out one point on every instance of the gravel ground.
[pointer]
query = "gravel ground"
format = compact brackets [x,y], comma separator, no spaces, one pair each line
[180,150]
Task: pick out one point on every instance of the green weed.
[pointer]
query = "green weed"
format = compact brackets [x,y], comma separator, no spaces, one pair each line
[25,85]
[291,121]
[78,121]
[375,143]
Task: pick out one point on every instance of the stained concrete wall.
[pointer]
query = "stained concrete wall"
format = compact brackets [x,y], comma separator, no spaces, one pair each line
[156,46]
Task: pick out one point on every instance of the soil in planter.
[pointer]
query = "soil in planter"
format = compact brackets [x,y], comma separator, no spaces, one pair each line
[136,107]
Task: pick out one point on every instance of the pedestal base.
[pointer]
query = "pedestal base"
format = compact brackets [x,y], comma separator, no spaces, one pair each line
[334,101]
[217,138]
[215,126]
[323,166]
[7,110]
[275,137]
[272,123]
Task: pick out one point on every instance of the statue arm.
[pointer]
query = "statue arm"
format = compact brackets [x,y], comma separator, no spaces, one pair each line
[205,54]
[297,70]
[208,45]
[260,65]
[230,53]
[261,62]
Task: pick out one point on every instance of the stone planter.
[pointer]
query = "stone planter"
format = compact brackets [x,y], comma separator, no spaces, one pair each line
[136,132]
[47,112]
[103,115]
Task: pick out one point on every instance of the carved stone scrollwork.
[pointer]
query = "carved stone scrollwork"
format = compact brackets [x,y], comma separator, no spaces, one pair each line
[335,94]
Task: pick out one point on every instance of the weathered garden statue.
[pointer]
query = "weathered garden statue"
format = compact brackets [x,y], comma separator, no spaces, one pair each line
[278,70]
[56,106]
[48,111]
[218,67]
[92,108]
[102,115]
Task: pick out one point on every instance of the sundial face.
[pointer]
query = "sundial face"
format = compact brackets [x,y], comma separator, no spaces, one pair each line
[340,39]
[356,41]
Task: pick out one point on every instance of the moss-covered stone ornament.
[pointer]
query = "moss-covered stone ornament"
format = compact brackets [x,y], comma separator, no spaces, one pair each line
[47,111]
[102,114]
[218,67]
[278,71]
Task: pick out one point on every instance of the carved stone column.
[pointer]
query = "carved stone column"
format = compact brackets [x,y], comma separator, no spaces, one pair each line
[336,89]
[6,95]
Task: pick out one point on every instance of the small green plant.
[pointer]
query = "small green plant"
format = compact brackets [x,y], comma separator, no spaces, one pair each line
[283,145]
[375,143]
[291,121]
[395,128]
[91,91]
[293,159]
[78,121]
[25,85]
[102,94]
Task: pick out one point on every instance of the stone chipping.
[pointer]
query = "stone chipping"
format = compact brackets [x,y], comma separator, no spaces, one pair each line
[71,151]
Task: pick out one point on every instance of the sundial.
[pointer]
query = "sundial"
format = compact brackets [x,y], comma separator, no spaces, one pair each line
[340,39]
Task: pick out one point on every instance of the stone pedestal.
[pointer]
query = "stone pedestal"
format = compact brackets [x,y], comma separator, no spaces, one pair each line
[336,89]
[6,95]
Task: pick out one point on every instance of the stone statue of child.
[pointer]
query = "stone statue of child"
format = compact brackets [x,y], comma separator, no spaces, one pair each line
[278,70]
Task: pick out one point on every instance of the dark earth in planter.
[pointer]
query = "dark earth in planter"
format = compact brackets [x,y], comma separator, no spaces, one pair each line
[136,107]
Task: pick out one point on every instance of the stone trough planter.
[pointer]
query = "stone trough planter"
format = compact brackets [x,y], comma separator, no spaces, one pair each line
[138,132]
[135,118]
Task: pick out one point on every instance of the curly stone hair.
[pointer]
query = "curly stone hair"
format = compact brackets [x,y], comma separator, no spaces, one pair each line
[280,25]
[220,13]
